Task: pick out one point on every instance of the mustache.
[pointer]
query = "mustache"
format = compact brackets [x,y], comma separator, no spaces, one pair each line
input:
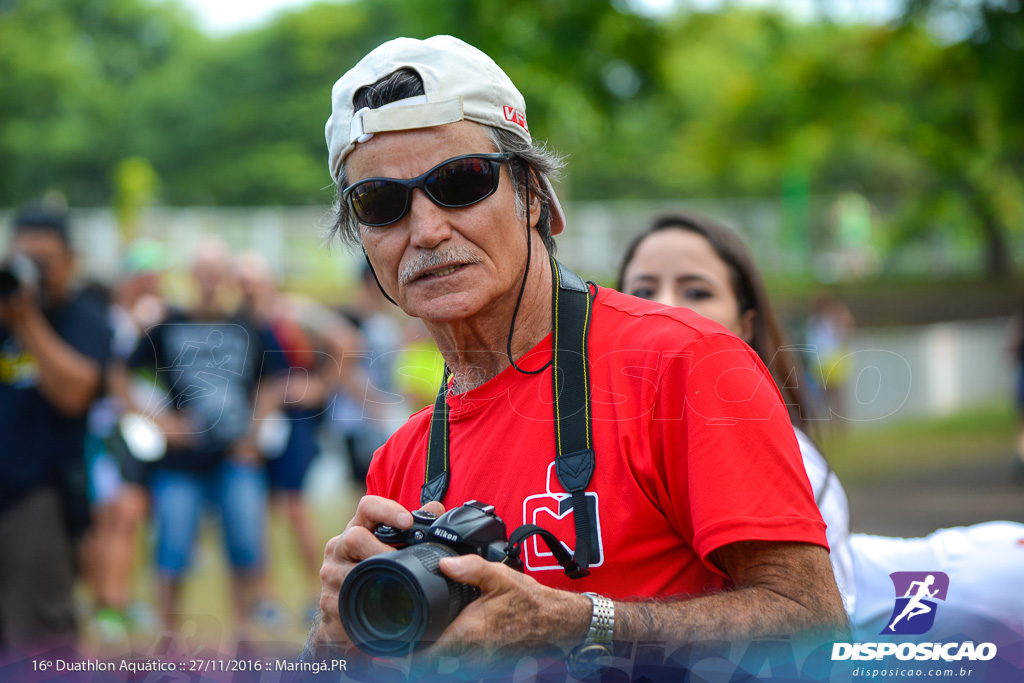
[434,258]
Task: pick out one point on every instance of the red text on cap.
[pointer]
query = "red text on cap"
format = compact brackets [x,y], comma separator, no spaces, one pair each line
[515,116]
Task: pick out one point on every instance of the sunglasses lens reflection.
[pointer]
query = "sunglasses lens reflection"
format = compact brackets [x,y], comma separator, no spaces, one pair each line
[377,202]
[454,184]
[461,182]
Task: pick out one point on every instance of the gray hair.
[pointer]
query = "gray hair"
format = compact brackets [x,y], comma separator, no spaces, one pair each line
[532,161]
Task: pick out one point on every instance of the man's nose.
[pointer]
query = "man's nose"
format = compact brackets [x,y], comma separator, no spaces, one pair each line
[428,222]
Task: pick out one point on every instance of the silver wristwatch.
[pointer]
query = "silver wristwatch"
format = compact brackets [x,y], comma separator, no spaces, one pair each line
[602,620]
[590,659]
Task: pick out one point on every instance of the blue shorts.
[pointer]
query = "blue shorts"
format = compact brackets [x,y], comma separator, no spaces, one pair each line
[288,470]
[237,491]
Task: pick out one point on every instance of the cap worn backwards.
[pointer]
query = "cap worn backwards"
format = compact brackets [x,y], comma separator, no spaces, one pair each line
[459,82]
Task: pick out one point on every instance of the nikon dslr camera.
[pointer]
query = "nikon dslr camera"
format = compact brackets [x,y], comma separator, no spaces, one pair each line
[392,602]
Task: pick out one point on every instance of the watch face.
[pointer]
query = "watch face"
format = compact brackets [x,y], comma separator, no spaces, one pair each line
[589,661]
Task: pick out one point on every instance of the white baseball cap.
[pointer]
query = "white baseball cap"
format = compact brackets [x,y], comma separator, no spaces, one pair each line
[459,81]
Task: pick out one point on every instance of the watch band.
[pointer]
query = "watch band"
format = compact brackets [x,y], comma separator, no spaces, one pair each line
[589,660]
[602,620]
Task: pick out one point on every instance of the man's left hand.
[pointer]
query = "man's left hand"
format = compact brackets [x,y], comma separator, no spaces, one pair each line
[513,615]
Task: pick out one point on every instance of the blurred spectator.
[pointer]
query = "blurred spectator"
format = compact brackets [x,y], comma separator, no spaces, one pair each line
[311,342]
[365,416]
[828,334]
[53,347]
[117,480]
[210,363]
[138,297]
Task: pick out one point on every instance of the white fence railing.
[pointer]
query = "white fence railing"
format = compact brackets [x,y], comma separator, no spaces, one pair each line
[899,373]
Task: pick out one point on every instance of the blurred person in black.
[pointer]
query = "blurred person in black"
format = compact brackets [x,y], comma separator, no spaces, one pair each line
[208,364]
[53,348]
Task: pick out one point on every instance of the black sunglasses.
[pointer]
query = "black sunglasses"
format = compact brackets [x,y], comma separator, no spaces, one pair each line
[455,183]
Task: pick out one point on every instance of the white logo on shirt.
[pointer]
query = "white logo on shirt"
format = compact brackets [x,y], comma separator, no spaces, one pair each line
[553,511]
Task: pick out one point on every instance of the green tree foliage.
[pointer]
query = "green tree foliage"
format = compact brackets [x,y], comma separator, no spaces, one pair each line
[68,72]
[240,121]
[971,131]
[739,103]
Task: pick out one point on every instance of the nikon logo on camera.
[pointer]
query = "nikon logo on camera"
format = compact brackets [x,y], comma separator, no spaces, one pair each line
[446,535]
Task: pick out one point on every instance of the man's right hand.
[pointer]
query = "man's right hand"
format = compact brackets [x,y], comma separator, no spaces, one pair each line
[354,545]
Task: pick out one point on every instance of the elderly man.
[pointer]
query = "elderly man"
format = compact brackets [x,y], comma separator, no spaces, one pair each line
[690,536]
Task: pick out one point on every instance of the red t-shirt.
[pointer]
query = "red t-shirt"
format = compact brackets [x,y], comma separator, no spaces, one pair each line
[694,450]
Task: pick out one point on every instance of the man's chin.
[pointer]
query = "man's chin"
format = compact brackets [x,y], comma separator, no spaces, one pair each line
[445,309]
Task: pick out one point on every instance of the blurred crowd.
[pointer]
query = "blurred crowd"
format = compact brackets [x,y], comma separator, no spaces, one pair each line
[130,414]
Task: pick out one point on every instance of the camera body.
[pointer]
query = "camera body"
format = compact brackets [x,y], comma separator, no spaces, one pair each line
[471,529]
[394,602]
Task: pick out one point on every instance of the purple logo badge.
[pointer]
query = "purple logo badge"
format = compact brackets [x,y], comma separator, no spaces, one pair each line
[916,596]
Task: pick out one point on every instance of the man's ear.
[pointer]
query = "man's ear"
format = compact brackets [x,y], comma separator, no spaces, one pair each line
[535,207]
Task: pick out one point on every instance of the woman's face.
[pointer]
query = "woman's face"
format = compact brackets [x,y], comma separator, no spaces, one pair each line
[677,267]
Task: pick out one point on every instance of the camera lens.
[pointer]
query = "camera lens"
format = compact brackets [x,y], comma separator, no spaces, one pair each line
[393,602]
[386,605]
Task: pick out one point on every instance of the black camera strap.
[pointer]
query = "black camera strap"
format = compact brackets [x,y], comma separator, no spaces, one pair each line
[515,548]
[574,460]
[436,481]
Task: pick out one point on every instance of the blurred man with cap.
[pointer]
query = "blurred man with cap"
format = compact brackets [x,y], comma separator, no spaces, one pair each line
[442,187]
[53,346]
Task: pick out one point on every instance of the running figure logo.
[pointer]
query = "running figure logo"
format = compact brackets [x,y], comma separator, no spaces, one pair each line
[914,612]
